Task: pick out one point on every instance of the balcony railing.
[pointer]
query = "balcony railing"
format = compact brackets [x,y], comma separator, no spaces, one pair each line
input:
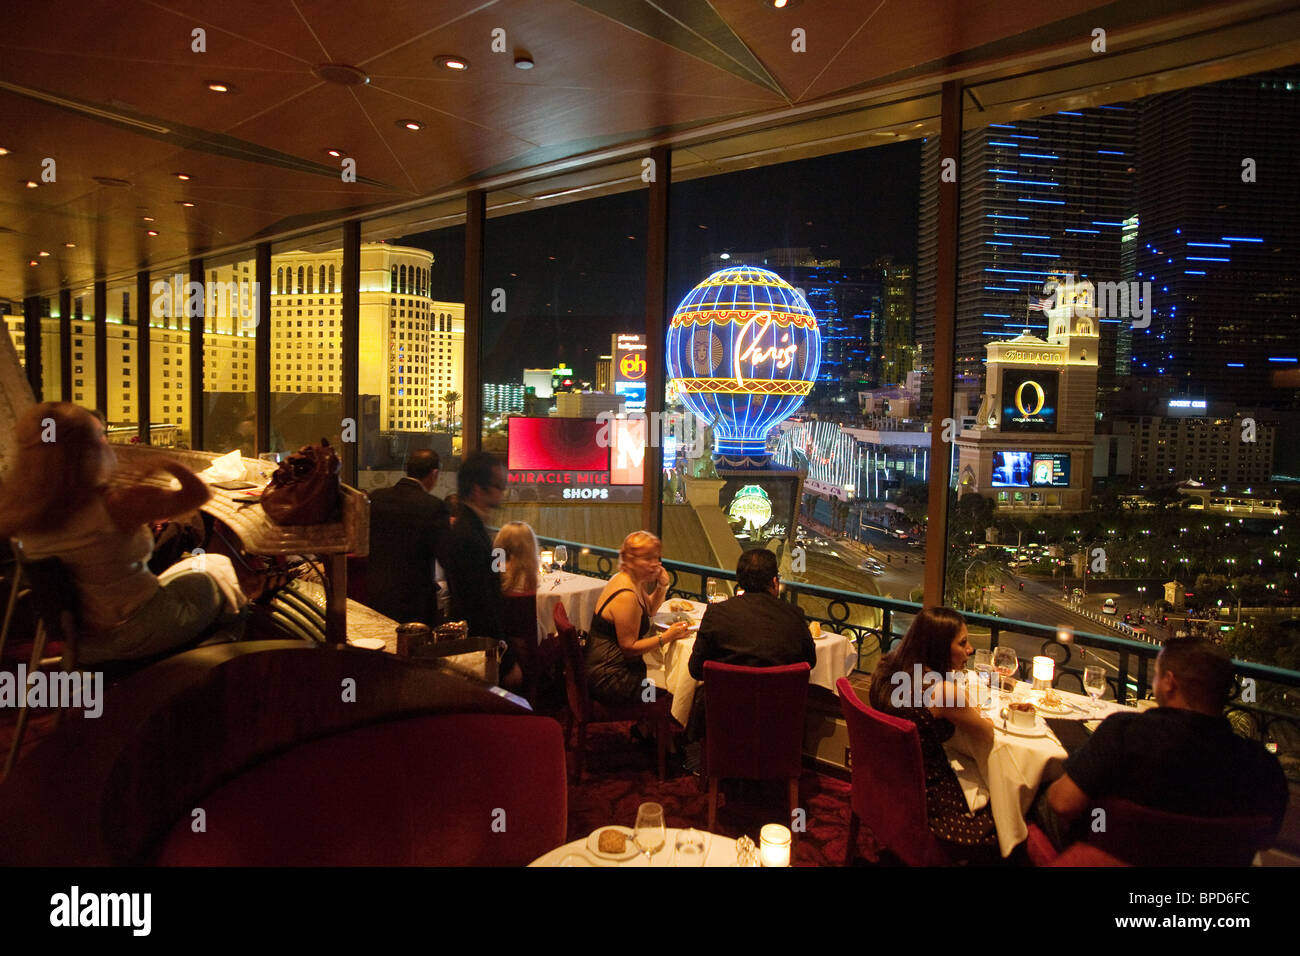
[1266,703]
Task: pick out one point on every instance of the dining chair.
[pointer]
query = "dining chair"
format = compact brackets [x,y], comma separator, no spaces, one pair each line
[584,711]
[53,597]
[754,720]
[888,783]
[519,621]
[1142,836]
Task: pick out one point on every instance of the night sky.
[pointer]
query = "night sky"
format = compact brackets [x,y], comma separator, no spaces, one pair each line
[572,275]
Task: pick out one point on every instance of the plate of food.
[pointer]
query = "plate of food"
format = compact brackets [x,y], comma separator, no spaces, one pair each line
[1021,718]
[1054,704]
[666,619]
[612,843]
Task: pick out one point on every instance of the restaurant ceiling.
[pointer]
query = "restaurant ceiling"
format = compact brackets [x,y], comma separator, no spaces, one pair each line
[102,105]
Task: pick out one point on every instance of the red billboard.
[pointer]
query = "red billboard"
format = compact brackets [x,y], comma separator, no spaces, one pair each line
[554,444]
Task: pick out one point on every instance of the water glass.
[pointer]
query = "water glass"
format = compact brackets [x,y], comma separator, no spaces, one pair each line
[561,556]
[690,848]
[650,834]
[1094,682]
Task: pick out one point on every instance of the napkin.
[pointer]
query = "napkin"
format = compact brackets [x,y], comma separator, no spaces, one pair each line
[971,780]
[229,467]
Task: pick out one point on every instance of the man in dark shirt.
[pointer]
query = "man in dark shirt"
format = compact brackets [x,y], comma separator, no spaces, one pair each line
[407,526]
[1181,756]
[754,629]
[467,558]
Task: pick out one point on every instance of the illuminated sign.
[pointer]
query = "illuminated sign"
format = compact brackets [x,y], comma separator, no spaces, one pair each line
[1051,470]
[627,451]
[1033,358]
[1185,403]
[1029,400]
[1011,469]
[554,444]
[629,367]
[752,506]
[743,351]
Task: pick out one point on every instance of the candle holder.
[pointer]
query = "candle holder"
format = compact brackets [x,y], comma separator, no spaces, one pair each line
[1044,672]
[774,845]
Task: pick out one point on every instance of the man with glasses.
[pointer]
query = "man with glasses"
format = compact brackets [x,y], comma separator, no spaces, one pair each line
[466,557]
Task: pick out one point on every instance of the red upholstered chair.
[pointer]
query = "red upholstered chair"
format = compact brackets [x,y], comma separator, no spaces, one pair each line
[519,617]
[584,711]
[754,718]
[466,789]
[1140,836]
[888,783]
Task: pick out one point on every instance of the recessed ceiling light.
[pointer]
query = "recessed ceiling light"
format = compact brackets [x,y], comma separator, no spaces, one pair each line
[185,202]
[147,218]
[523,63]
[69,245]
[30,183]
[183,177]
[457,63]
[779,4]
[341,74]
[217,86]
[151,232]
[3,151]
[33,263]
[336,153]
[409,124]
[43,253]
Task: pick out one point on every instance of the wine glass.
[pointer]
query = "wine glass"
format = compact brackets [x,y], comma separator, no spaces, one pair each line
[690,848]
[714,592]
[1094,682]
[1004,661]
[649,834]
[561,556]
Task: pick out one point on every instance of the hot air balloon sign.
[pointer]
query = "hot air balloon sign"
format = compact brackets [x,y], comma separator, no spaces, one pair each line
[752,506]
[743,352]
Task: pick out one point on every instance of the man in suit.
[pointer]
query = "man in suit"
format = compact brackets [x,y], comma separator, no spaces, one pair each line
[754,629]
[467,558]
[407,527]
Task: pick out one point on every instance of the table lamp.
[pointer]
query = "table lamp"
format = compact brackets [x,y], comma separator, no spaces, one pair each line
[1044,671]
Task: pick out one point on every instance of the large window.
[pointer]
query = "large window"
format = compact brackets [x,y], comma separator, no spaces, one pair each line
[123,347]
[306,330]
[1126,369]
[230,327]
[837,411]
[563,286]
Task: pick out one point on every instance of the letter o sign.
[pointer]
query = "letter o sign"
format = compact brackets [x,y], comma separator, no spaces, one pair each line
[1020,398]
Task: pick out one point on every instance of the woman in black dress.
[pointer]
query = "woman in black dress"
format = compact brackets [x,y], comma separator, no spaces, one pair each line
[619,636]
[938,642]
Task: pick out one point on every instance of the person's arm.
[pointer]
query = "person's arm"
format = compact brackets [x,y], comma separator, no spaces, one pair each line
[1066,799]
[979,729]
[656,597]
[135,505]
[704,643]
[626,613]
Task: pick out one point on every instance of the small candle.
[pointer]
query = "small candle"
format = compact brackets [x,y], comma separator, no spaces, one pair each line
[1044,670]
[774,845]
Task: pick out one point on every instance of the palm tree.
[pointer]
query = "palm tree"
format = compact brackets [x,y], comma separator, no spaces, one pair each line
[450,400]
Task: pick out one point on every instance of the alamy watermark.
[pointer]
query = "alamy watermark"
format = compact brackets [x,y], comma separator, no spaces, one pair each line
[235,299]
[924,688]
[79,690]
[629,435]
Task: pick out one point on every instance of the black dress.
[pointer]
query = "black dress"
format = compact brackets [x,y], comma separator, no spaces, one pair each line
[613,678]
[966,835]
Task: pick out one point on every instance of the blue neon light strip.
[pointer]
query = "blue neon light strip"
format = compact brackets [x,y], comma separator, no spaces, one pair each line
[1042,255]
[1039,156]
[991,243]
[1284,360]
[1095,232]
[1110,152]
[1236,365]
[1239,239]
[1211,245]
[1012,171]
[996,143]
[997,315]
[1027,182]
[1043,202]
[1022,136]
[1098,222]
[1193,272]
[999,215]
[1206,259]
[1000,126]
[1020,235]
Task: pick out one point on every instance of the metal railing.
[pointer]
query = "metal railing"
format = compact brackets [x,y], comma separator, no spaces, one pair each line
[1266,703]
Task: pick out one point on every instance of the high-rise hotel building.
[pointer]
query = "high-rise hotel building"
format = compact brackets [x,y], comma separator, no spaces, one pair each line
[412,346]
[1041,196]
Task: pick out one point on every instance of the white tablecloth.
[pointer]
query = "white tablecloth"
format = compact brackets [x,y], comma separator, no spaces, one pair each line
[836,658]
[721,851]
[578,592]
[1010,776]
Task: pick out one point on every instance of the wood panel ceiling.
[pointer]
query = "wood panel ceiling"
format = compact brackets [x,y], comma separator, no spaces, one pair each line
[116,92]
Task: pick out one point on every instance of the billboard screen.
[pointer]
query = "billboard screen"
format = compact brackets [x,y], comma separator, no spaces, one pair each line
[1050,470]
[1029,399]
[554,444]
[1011,469]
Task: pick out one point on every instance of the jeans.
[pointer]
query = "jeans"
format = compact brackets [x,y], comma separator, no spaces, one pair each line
[181,613]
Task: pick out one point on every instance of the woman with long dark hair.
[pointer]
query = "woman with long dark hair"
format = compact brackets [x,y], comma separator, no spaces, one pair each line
[57,501]
[918,682]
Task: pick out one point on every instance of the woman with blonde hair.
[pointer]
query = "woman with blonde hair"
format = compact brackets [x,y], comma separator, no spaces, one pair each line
[56,500]
[620,629]
[523,567]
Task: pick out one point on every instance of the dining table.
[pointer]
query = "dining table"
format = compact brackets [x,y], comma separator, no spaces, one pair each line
[579,593]
[718,851]
[667,668]
[1008,777]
